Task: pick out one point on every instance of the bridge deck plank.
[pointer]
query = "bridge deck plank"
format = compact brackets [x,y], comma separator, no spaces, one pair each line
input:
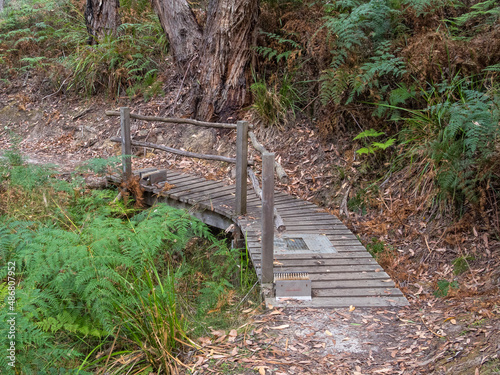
[350,276]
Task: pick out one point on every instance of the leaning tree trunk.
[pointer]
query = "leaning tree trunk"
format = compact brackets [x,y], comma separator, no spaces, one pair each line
[102,18]
[215,58]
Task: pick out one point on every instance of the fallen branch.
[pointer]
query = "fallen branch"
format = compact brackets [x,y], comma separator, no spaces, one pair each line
[48,96]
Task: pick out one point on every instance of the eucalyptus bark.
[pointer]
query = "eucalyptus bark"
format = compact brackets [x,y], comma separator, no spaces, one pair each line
[215,57]
[102,19]
[183,31]
[226,55]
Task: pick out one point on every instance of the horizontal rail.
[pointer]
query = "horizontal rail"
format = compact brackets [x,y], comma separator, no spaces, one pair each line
[180,152]
[259,147]
[175,120]
[278,221]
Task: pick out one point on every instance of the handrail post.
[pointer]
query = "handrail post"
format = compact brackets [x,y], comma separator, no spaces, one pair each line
[126,143]
[267,217]
[241,167]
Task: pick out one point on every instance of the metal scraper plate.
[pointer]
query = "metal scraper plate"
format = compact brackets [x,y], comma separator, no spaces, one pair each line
[303,244]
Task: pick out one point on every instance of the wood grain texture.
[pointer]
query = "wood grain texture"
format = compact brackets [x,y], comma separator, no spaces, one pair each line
[348,277]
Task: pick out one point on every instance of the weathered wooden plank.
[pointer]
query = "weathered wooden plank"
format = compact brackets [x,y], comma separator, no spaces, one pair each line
[126,142]
[224,205]
[312,220]
[241,168]
[364,283]
[227,200]
[328,277]
[328,269]
[195,183]
[329,256]
[214,192]
[287,205]
[348,274]
[174,180]
[192,187]
[342,245]
[337,233]
[313,263]
[316,213]
[318,224]
[211,193]
[267,216]
[338,302]
[357,292]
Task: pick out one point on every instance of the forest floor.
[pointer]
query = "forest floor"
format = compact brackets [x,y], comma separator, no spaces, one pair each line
[459,334]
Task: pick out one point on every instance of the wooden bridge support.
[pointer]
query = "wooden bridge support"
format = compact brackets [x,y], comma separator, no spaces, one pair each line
[126,142]
[267,217]
[241,167]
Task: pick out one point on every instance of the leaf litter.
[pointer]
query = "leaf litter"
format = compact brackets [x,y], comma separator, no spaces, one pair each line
[457,334]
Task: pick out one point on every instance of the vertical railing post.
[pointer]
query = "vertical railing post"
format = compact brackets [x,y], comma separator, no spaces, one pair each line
[126,146]
[267,217]
[241,167]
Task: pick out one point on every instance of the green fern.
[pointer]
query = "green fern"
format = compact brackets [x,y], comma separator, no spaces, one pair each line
[291,48]
[373,146]
[458,131]
[361,56]
[484,14]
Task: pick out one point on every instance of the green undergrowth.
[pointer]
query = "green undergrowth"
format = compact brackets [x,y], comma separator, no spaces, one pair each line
[49,40]
[95,285]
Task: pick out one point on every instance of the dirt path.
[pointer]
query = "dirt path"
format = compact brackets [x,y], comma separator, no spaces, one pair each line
[457,335]
[420,339]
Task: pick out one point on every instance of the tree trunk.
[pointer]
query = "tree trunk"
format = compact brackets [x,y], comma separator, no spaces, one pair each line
[102,18]
[226,53]
[1,6]
[216,59]
[183,32]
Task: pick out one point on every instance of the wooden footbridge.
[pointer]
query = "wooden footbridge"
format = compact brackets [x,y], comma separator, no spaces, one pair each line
[287,238]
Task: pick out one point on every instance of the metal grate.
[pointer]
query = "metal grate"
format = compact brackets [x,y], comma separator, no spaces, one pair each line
[303,243]
[296,243]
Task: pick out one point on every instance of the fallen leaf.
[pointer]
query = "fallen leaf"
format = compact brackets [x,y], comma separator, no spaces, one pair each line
[261,369]
[351,308]
[328,333]
[280,327]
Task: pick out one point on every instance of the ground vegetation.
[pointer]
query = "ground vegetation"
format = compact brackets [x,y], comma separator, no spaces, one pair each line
[385,112]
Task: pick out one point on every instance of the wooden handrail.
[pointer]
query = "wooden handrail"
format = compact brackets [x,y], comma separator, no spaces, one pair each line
[278,221]
[267,242]
[180,152]
[259,147]
[175,120]
[270,216]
